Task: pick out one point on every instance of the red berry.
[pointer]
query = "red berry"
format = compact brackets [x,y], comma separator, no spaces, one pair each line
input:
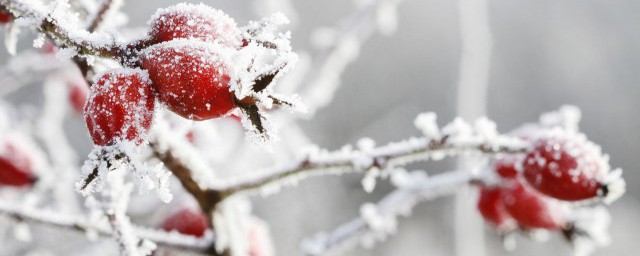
[492,208]
[565,166]
[531,209]
[186,221]
[190,79]
[15,166]
[195,21]
[5,16]
[120,107]
[78,94]
[507,167]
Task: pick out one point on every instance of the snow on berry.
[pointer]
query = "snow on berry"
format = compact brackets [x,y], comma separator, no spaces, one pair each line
[493,210]
[16,167]
[566,166]
[190,78]
[120,107]
[186,221]
[195,21]
[532,210]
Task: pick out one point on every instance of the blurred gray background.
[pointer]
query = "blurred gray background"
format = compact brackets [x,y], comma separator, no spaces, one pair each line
[546,53]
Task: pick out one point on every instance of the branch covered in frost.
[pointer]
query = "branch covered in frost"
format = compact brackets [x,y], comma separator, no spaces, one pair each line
[58,23]
[456,138]
[79,223]
[377,221]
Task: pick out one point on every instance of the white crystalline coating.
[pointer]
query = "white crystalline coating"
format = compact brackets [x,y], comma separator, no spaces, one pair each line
[63,54]
[39,41]
[426,122]
[232,220]
[146,178]
[567,117]
[592,223]
[197,21]
[616,186]
[591,162]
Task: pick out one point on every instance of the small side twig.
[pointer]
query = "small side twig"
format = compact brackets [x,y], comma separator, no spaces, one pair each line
[395,204]
[79,223]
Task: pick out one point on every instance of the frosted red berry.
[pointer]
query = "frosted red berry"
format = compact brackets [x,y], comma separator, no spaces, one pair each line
[120,107]
[565,166]
[78,94]
[195,21]
[15,166]
[531,209]
[5,16]
[186,221]
[493,210]
[190,79]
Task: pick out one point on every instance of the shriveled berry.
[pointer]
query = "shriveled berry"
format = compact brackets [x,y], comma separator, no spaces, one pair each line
[16,168]
[493,210]
[565,166]
[195,21]
[78,94]
[191,79]
[186,221]
[120,107]
[531,209]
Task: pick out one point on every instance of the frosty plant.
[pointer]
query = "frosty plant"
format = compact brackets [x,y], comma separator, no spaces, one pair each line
[162,111]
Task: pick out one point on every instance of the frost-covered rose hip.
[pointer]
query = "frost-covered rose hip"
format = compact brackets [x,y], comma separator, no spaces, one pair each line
[566,166]
[531,209]
[5,16]
[186,221]
[493,210]
[195,21]
[190,78]
[15,166]
[120,107]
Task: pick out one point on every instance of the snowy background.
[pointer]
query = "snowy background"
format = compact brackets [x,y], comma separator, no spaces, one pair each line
[546,53]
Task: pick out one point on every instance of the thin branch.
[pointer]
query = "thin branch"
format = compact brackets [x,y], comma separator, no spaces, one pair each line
[398,203]
[99,16]
[83,41]
[79,223]
[385,157]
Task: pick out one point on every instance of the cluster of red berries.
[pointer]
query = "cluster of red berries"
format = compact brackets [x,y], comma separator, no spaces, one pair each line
[185,68]
[535,190]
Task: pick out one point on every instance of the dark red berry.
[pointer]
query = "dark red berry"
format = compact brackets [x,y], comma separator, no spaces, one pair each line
[190,79]
[15,166]
[531,209]
[78,94]
[565,166]
[186,221]
[195,21]
[493,210]
[120,107]
[5,16]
